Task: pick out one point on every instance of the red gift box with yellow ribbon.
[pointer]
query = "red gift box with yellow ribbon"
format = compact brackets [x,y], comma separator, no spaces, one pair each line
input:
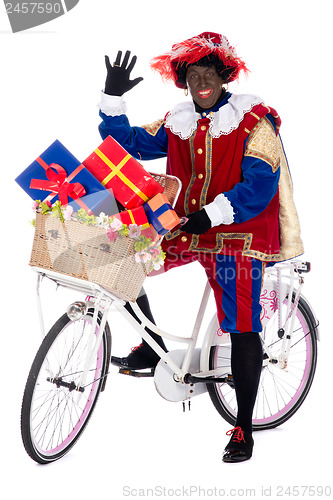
[136,216]
[131,184]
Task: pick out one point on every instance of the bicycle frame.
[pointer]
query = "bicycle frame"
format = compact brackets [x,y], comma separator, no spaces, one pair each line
[103,300]
[282,282]
[179,371]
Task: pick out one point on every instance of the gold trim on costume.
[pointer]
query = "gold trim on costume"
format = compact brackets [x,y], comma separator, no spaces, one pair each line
[171,235]
[219,244]
[195,241]
[263,144]
[208,169]
[193,175]
[270,112]
[154,127]
[247,251]
[256,116]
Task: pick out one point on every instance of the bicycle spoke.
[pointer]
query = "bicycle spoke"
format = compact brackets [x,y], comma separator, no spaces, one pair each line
[57,412]
[281,389]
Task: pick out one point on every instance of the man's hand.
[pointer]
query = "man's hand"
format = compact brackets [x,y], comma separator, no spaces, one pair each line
[198,223]
[118,77]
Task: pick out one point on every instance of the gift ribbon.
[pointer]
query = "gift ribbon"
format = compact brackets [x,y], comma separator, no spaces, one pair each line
[162,209]
[58,183]
[132,218]
[77,191]
[116,170]
[130,213]
[153,216]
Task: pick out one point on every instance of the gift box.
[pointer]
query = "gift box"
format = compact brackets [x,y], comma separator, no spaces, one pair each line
[131,184]
[136,216]
[57,175]
[161,214]
[96,203]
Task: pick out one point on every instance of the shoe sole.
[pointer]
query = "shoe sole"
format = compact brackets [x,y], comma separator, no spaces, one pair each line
[235,460]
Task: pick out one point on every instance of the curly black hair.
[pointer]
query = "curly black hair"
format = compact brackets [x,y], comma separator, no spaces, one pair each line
[208,61]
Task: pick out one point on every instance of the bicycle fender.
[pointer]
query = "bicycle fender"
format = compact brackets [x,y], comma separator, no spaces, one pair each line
[269,298]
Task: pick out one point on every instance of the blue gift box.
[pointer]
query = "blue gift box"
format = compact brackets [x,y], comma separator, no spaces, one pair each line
[97,202]
[160,214]
[57,174]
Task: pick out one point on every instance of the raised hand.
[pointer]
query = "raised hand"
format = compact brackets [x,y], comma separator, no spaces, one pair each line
[118,75]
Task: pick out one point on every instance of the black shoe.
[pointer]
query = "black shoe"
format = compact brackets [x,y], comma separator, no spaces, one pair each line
[141,357]
[239,447]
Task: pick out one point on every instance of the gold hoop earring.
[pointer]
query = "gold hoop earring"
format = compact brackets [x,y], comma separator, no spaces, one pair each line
[186,91]
[225,87]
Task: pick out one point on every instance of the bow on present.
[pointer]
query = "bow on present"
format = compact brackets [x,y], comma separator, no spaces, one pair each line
[58,183]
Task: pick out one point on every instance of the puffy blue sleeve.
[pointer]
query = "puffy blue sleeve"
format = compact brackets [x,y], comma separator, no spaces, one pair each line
[142,143]
[250,197]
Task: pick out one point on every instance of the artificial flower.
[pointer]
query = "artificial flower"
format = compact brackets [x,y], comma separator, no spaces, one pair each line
[68,212]
[102,219]
[145,249]
[142,256]
[116,225]
[134,231]
[111,234]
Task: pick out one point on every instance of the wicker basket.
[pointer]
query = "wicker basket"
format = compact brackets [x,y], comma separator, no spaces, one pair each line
[85,252]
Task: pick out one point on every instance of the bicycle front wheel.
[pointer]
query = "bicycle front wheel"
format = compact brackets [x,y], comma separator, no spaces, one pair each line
[54,413]
[281,391]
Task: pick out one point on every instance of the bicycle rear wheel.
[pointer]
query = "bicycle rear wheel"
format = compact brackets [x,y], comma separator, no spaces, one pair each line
[54,414]
[281,392]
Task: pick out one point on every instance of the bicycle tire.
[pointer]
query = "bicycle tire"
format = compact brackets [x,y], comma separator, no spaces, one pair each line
[53,416]
[280,392]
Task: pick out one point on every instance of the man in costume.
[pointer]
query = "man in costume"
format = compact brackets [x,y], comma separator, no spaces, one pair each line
[226,151]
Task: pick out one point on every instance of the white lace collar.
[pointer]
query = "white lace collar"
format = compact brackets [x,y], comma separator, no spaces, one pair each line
[182,120]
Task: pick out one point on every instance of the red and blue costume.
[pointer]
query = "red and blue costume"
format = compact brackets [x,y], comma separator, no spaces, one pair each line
[236,193]
[209,153]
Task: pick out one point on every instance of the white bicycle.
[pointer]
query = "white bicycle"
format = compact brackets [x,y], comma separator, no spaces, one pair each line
[72,364]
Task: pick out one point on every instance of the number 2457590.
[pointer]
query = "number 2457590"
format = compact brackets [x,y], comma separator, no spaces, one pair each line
[33,8]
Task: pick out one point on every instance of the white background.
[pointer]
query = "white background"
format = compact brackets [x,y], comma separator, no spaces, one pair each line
[49,87]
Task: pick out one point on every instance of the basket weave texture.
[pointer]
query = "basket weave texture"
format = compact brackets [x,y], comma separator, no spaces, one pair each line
[85,252]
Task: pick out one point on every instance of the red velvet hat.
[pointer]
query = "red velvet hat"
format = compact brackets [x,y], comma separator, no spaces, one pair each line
[192,50]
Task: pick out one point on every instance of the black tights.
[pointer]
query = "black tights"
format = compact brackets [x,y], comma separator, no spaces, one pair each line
[246,365]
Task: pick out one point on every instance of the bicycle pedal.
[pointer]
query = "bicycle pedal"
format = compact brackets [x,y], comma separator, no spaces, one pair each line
[137,373]
[230,381]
